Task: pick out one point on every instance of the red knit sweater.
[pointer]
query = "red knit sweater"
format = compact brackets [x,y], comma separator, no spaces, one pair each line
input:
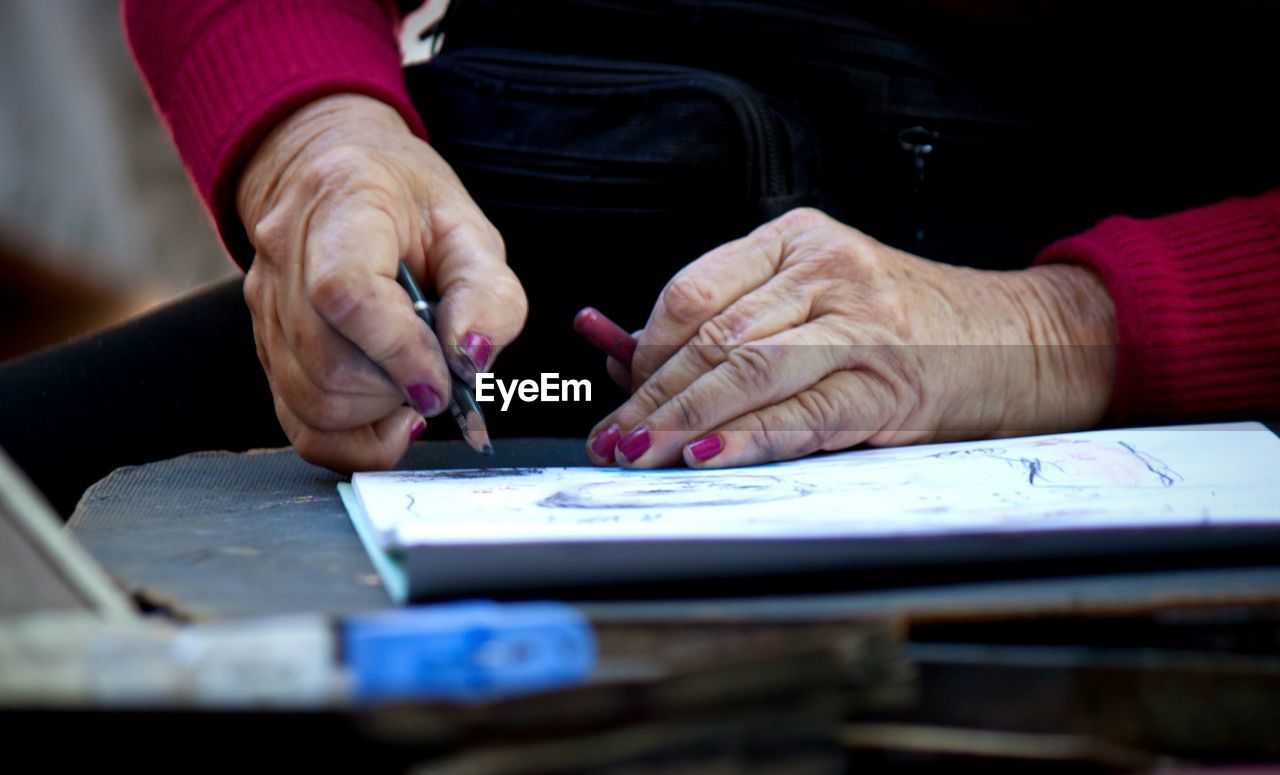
[1197,293]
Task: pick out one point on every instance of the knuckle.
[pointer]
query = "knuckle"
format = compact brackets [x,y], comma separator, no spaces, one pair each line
[803,226]
[516,302]
[833,260]
[751,368]
[689,298]
[328,375]
[717,336]
[782,441]
[270,234]
[856,249]
[762,437]
[338,169]
[653,394]
[398,343]
[819,413]
[326,412]
[252,288]
[495,236]
[802,219]
[392,351]
[693,414]
[712,345]
[335,295]
[843,254]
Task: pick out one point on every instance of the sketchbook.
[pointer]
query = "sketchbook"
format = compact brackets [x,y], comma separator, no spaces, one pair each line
[476,531]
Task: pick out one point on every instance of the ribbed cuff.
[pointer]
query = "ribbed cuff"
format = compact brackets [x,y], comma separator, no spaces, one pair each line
[261,61]
[1197,298]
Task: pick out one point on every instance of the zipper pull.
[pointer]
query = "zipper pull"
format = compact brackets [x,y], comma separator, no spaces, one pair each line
[918,141]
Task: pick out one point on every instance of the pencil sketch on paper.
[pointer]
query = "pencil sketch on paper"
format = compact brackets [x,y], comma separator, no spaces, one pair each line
[1082,480]
[687,491]
[1077,463]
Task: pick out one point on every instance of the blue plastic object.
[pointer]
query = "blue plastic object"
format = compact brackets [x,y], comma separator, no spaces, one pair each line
[469,650]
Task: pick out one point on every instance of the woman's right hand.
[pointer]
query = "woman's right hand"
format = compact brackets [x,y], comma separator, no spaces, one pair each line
[333,200]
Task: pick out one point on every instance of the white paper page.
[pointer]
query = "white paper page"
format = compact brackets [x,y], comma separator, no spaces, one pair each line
[1219,474]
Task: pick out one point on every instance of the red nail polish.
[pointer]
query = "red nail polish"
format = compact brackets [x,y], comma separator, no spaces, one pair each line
[418,429]
[477,349]
[706,447]
[634,444]
[424,398]
[605,441]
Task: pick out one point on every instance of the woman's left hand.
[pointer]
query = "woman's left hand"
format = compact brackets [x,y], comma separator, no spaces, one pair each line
[808,335]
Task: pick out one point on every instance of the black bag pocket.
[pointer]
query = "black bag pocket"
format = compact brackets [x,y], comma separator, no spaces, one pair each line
[590,135]
[605,177]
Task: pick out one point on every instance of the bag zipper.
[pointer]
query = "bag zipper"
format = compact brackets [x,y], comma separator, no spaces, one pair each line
[919,141]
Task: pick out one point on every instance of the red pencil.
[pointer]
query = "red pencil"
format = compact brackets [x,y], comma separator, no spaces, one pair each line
[602,332]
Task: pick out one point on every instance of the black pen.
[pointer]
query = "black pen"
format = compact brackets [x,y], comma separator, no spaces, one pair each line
[462,404]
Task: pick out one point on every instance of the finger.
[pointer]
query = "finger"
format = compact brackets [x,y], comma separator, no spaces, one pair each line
[755,375]
[350,281]
[337,387]
[767,311]
[253,298]
[620,374]
[482,303]
[702,290]
[325,409]
[371,447]
[842,410]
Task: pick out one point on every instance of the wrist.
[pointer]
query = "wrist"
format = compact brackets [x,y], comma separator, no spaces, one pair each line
[1071,328]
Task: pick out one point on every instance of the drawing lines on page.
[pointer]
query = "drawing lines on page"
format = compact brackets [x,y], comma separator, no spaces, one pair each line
[1110,478]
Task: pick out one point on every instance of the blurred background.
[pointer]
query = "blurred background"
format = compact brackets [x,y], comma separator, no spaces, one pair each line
[97,219]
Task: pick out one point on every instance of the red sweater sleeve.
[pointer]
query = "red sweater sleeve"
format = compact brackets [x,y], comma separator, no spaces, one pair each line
[1197,297]
[224,72]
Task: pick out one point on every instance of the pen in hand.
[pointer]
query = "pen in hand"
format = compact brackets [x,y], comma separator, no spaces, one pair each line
[462,404]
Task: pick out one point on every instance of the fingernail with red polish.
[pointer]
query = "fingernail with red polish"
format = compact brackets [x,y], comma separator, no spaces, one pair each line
[417,430]
[477,349]
[424,398]
[605,441]
[706,447]
[633,445]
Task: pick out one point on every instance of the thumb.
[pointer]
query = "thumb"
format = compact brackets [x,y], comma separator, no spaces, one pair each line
[482,303]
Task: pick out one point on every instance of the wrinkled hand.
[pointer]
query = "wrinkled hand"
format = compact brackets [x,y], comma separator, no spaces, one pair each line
[808,335]
[333,200]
